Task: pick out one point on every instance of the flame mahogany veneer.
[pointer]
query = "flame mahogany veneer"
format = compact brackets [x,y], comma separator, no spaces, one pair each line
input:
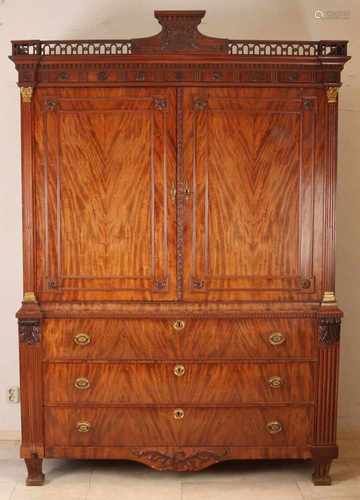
[178,228]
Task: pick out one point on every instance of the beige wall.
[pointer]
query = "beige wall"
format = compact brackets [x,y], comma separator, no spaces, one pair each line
[21,19]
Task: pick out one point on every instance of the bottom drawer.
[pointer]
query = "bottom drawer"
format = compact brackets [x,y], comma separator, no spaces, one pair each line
[275,426]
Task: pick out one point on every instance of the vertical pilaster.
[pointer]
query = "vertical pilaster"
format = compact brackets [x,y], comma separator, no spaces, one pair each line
[27,173]
[29,316]
[330,190]
[325,424]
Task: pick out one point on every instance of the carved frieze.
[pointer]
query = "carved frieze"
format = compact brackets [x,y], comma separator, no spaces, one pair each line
[90,73]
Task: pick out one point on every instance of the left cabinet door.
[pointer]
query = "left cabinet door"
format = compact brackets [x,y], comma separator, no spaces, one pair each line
[105,211]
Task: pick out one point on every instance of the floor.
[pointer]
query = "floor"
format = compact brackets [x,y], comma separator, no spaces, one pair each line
[110,480]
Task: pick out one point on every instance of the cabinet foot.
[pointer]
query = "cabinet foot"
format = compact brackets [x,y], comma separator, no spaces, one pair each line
[35,474]
[321,476]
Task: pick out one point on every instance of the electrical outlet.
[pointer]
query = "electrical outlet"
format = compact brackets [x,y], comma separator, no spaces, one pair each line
[13,394]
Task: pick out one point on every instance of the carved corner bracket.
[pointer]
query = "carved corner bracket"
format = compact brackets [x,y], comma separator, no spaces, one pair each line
[179,461]
[329,329]
[29,331]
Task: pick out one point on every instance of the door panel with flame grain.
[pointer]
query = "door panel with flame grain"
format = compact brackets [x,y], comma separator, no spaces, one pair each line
[249,165]
[105,163]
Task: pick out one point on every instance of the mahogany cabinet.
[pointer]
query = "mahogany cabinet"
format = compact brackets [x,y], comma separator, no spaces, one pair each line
[178,223]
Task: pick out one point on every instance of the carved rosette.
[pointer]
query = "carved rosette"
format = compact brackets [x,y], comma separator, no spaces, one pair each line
[51,105]
[160,104]
[161,285]
[200,104]
[329,329]
[179,461]
[305,283]
[29,331]
[197,283]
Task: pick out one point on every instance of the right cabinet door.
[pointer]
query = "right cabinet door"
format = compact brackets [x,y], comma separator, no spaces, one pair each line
[254,198]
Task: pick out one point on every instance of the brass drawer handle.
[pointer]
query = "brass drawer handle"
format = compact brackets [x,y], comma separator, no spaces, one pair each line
[277,338]
[82,339]
[81,383]
[83,426]
[275,382]
[178,414]
[179,370]
[179,324]
[274,427]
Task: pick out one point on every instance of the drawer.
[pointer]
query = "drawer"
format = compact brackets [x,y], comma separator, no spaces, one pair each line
[282,426]
[166,383]
[132,339]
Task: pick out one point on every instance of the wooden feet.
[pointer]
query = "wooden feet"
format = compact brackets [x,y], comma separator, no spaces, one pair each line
[321,476]
[35,474]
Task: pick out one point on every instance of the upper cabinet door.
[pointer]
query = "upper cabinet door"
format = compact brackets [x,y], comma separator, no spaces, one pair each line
[105,165]
[250,205]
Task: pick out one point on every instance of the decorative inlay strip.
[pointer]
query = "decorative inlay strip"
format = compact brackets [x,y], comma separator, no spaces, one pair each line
[180,196]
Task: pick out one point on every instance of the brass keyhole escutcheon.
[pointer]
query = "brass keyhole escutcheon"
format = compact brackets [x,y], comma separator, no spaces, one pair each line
[82,339]
[276,338]
[179,324]
[83,426]
[81,383]
[274,427]
[275,382]
[178,414]
[179,370]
